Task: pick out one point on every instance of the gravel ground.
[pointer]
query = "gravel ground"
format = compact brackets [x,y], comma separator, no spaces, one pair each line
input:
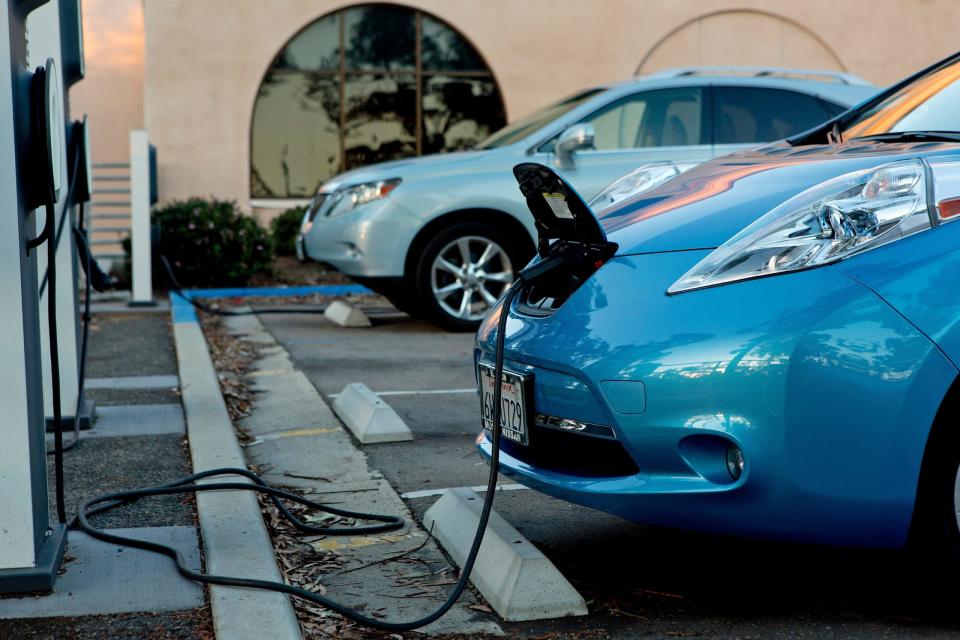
[130,345]
[193,624]
[102,465]
[108,397]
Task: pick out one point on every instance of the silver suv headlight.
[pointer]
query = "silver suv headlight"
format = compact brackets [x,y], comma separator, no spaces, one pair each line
[349,198]
[832,221]
[643,178]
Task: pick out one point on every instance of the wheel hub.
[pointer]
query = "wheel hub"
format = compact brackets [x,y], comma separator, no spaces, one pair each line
[468,276]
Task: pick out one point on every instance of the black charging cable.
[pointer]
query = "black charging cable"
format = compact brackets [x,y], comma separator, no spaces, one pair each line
[100,504]
[80,238]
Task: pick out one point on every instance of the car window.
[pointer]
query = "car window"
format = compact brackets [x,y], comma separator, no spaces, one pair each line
[537,120]
[753,114]
[659,118]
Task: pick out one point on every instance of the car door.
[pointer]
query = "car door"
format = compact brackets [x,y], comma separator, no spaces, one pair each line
[744,117]
[648,126]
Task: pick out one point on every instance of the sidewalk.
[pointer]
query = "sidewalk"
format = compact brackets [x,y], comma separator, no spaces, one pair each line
[138,439]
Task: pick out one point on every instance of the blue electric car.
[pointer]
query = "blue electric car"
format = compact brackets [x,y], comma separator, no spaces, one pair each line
[765,345]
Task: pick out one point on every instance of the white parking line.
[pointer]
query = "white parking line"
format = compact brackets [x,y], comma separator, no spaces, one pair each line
[426,493]
[429,392]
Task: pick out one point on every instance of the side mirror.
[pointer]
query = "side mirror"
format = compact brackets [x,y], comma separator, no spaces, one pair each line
[574,138]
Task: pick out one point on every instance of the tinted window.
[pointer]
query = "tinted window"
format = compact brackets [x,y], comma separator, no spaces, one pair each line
[661,118]
[354,87]
[751,114]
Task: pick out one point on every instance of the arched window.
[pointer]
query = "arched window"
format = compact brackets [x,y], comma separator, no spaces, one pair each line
[366,84]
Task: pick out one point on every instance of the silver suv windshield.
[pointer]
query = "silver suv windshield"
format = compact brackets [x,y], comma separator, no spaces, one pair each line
[537,120]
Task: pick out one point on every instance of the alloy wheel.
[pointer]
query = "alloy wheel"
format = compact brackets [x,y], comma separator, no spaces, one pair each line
[469,275]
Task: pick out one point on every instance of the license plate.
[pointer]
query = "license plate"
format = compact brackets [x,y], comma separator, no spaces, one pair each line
[513,412]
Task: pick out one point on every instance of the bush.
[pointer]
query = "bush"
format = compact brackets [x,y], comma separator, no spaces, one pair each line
[210,243]
[284,229]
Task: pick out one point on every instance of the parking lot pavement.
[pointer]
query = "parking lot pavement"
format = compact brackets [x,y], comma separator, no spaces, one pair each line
[639,581]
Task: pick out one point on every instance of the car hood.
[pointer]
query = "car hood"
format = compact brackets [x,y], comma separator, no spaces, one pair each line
[419,167]
[709,204]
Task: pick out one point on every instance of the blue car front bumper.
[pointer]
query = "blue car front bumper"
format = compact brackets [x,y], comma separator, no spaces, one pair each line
[828,392]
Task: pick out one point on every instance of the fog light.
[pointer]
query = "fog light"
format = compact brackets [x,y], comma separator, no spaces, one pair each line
[734,462]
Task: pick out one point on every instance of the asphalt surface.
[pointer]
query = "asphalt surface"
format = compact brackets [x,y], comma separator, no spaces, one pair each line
[639,581]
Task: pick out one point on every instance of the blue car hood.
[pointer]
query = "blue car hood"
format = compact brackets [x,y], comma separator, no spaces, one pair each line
[707,205]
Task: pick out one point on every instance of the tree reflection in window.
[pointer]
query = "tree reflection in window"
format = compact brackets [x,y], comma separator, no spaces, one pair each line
[367,84]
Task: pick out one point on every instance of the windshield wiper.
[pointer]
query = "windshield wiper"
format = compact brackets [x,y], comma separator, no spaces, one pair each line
[913,136]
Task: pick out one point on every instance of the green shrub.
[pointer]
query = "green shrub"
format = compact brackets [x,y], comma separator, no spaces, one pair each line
[284,229]
[210,243]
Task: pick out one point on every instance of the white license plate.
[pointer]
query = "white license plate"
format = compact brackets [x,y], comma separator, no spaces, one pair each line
[513,412]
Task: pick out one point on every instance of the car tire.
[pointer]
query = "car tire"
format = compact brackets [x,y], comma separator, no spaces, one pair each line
[464,269]
[935,537]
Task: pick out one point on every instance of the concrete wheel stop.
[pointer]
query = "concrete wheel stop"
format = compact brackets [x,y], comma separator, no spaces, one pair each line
[369,418]
[345,315]
[518,581]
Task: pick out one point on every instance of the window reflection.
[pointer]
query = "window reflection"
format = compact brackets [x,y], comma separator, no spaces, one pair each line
[380,37]
[295,142]
[458,113]
[361,67]
[381,115]
[444,50]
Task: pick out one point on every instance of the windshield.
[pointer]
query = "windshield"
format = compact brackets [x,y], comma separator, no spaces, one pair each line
[537,120]
[929,103]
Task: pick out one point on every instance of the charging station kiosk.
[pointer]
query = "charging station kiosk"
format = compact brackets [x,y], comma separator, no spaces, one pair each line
[32,148]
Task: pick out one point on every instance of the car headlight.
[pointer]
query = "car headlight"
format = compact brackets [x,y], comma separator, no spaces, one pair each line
[352,197]
[832,221]
[641,179]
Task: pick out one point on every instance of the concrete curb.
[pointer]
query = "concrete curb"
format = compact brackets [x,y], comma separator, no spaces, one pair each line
[296,431]
[235,538]
[345,315]
[518,581]
[369,418]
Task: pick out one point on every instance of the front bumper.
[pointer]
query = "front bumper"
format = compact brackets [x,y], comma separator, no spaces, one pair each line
[827,391]
[370,241]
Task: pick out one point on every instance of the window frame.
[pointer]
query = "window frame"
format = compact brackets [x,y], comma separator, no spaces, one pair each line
[342,72]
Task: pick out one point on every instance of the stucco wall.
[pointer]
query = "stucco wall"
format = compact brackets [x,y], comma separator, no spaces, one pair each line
[205,59]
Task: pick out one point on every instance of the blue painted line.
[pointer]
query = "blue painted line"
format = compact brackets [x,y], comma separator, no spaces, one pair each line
[248,292]
[183,311]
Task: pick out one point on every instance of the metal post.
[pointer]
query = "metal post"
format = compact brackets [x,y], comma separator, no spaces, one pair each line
[30,546]
[140,249]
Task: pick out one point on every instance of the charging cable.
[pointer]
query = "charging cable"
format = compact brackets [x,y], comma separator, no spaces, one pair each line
[100,504]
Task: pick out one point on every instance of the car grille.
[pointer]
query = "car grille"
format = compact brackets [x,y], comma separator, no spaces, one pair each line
[572,454]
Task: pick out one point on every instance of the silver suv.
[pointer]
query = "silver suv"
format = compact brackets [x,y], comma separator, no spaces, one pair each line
[442,235]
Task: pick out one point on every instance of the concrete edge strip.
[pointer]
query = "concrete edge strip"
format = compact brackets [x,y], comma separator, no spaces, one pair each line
[133,382]
[235,538]
[369,418]
[518,581]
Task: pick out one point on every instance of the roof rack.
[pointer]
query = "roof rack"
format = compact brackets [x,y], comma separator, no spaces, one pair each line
[833,76]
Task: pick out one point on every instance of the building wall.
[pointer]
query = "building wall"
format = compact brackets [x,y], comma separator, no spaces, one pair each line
[204,60]
[112,89]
